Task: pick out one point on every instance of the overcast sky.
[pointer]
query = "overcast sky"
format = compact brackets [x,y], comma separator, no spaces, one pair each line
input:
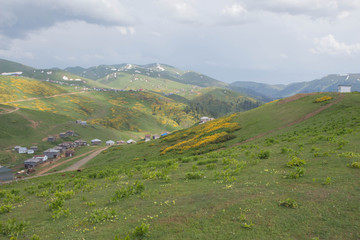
[270,41]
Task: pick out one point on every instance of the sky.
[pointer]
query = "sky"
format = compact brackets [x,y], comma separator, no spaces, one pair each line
[268,41]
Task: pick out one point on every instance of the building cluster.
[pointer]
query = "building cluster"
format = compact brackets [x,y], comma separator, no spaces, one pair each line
[66,149]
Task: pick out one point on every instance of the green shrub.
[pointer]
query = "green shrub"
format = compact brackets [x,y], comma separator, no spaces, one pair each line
[296,162]
[355,164]
[289,203]
[299,172]
[60,212]
[211,166]
[136,188]
[327,181]
[141,232]
[264,154]
[56,203]
[12,228]
[194,175]
[101,215]
[5,208]
[207,161]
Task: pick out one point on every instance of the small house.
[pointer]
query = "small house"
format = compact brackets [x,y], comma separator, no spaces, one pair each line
[16,148]
[30,151]
[58,148]
[42,158]
[31,163]
[110,142]
[35,148]
[22,150]
[121,142]
[67,145]
[70,133]
[130,141]
[69,153]
[52,153]
[164,134]
[205,119]
[80,143]
[155,136]
[344,88]
[5,174]
[147,137]
[96,141]
[51,138]
[63,135]
[83,123]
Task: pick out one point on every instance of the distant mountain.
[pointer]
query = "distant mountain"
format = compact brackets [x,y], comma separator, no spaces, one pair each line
[9,66]
[326,84]
[153,70]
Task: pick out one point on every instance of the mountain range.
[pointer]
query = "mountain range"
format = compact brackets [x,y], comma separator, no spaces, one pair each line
[168,79]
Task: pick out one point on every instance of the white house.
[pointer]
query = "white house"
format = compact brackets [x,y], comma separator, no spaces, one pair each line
[110,142]
[130,141]
[96,141]
[205,119]
[344,88]
[22,150]
[30,151]
[42,158]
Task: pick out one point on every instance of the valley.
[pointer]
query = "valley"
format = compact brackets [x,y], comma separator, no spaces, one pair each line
[285,169]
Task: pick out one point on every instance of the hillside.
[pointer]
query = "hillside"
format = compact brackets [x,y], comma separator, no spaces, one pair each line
[9,66]
[34,109]
[118,72]
[286,170]
[326,84]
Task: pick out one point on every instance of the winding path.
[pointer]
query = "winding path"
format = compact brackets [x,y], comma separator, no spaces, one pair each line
[7,111]
[36,98]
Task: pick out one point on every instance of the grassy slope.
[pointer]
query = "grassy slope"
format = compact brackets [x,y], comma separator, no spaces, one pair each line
[238,195]
[128,81]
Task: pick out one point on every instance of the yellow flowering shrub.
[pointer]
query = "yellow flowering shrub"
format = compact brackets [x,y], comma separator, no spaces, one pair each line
[323,99]
[211,132]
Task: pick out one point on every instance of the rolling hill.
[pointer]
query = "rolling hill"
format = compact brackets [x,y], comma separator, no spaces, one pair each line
[326,84]
[162,71]
[41,108]
[286,170]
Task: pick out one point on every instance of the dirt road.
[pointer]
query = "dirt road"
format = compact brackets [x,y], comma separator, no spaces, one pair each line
[56,164]
[83,161]
[7,111]
[36,98]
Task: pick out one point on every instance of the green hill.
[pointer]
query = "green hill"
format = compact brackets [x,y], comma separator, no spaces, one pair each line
[326,84]
[9,66]
[121,73]
[286,170]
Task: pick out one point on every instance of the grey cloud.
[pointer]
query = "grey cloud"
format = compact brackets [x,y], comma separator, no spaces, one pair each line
[19,17]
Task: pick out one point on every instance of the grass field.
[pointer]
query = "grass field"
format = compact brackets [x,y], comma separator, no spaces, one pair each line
[298,182]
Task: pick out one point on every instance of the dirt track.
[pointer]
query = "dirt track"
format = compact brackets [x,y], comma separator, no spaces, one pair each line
[7,111]
[52,166]
[31,99]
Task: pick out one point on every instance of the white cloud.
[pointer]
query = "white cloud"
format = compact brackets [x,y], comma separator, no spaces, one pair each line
[329,45]
[180,10]
[126,30]
[311,8]
[234,10]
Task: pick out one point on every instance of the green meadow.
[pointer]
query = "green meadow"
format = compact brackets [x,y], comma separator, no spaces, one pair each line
[285,170]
